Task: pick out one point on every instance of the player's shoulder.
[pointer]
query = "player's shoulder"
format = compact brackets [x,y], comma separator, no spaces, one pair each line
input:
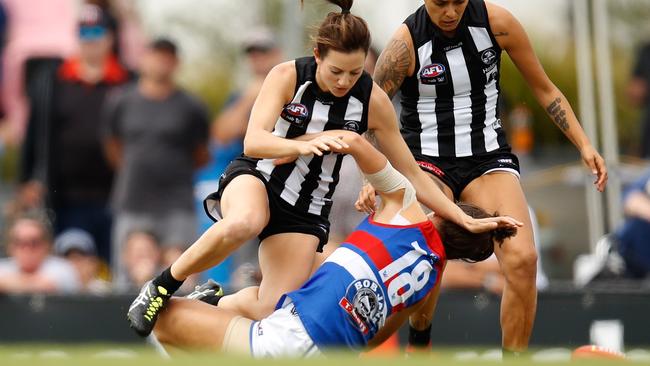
[283,75]
[499,17]
[284,69]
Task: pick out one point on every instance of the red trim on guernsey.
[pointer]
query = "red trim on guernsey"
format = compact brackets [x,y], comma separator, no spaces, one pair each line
[428,230]
[372,246]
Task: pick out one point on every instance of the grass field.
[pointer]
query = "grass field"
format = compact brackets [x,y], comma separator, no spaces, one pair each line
[70,355]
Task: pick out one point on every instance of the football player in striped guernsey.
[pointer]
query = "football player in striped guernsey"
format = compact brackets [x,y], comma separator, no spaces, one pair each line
[287,206]
[445,60]
[388,269]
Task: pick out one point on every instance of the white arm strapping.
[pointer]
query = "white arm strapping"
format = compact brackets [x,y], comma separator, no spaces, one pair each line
[389,180]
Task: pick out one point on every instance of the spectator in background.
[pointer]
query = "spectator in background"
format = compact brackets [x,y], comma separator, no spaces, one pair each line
[262,54]
[36,28]
[155,136]
[78,248]
[30,268]
[62,158]
[638,91]
[141,256]
[227,135]
[632,237]
[130,41]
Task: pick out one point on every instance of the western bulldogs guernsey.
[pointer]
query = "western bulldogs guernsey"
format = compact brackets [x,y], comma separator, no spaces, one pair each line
[379,270]
[450,103]
[308,184]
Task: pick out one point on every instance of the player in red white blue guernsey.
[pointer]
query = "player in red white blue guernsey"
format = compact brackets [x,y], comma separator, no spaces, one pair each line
[386,271]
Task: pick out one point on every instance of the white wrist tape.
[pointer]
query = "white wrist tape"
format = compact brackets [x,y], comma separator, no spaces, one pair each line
[389,180]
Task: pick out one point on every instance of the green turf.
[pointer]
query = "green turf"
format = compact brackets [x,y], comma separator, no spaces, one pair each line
[126,355]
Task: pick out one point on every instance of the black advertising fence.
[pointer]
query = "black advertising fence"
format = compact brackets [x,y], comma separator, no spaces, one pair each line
[462,318]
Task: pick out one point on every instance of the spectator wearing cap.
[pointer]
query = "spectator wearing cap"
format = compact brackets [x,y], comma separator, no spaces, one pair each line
[155,136]
[30,268]
[63,164]
[78,248]
[262,53]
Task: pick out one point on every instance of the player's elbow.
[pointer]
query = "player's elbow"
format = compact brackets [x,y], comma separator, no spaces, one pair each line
[252,146]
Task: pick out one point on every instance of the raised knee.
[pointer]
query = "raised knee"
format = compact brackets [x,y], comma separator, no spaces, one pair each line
[241,228]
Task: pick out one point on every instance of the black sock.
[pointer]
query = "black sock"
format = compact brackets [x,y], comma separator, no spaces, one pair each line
[166,280]
[212,300]
[419,338]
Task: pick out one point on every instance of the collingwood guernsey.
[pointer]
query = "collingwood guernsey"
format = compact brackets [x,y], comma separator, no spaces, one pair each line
[308,183]
[450,103]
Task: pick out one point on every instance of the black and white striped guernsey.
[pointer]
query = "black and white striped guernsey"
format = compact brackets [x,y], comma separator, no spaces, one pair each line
[308,184]
[450,104]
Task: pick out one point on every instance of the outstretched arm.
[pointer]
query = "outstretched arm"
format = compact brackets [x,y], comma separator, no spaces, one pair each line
[383,122]
[512,37]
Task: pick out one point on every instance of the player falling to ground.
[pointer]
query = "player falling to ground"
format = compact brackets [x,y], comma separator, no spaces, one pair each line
[445,59]
[287,206]
[386,271]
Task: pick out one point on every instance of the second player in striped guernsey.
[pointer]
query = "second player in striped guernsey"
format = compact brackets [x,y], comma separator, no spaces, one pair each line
[445,60]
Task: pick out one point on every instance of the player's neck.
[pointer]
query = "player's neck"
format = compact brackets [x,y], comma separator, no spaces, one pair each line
[391,207]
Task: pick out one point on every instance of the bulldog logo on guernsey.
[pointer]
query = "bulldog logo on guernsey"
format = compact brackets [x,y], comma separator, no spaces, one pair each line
[365,303]
[295,113]
[433,74]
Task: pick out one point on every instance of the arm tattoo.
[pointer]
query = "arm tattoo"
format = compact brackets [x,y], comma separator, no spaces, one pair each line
[501,34]
[392,67]
[558,114]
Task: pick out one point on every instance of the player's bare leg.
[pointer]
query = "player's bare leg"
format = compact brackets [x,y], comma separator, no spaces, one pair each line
[245,209]
[285,261]
[502,192]
[189,323]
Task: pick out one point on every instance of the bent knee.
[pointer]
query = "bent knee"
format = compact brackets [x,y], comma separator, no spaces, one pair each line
[520,261]
[242,228]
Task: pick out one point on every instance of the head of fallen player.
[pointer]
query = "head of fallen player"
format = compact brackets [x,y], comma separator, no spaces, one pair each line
[462,244]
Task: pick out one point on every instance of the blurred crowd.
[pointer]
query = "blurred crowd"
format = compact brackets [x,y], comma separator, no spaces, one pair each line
[115,157]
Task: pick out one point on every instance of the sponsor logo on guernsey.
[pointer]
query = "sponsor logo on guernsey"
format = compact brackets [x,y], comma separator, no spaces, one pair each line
[488,56]
[351,126]
[295,113]
[431,168]
[491,73]
[366,305]
[434,74]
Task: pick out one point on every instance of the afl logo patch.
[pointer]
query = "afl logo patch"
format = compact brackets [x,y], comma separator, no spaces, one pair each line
[433,74]
[351,126]
[488,56]
[365,303]
[295,113]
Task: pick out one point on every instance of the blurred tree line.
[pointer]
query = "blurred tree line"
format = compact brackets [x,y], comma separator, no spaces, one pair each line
[629,28]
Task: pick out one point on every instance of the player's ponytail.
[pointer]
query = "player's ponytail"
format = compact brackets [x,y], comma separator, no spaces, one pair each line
[471,247]
[343,31]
